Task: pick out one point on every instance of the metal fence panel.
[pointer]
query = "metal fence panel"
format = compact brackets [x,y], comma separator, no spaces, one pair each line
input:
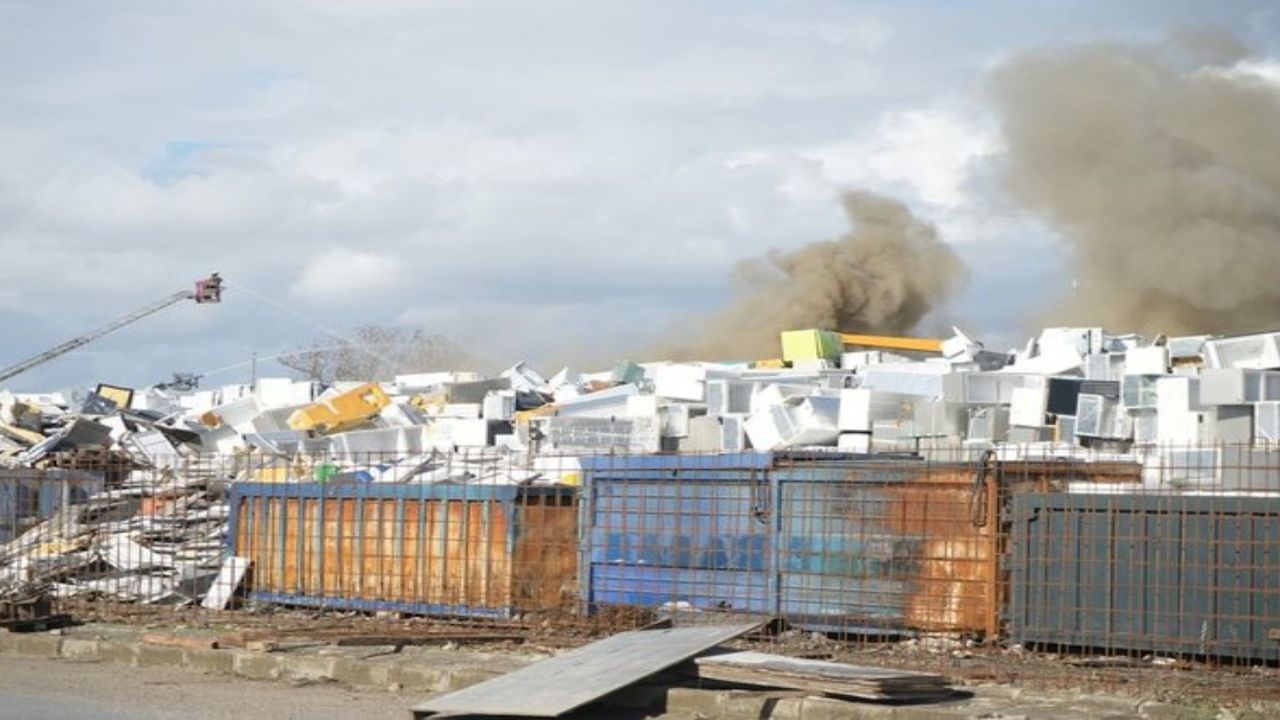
[1173,574]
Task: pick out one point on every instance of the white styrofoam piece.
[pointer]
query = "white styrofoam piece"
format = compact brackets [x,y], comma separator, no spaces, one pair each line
[642,405]
[770,395]
[674,420]
[225,585]
[524,378]
[1152,360]
[1266,422]
[854,442]
[1027,406]
[498,405]
[680,381]
[1255,352]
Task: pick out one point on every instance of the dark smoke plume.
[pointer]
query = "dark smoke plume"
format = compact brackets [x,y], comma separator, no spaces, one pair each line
[1160,166]
[883,276]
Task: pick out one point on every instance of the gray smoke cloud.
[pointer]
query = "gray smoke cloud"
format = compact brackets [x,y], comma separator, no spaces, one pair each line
[1160,167]
[884,276]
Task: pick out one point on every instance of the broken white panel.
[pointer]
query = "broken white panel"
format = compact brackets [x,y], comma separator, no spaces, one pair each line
[680,381]
[937,418]
[924,379]
[565,376]
[401,414]
[418,382]
[470,432]
[1230,386]
[122,552]
[1095,416]
[1266,422]
[854,442]
[861,407]
[1139,392]
[524,378]
[1254,352]
[1178,394]
[611,402]
[1182,467]
[197,402]
[1228,424]
[704,435]
[1104,366]
[642,405]
[960,347]
[814,421]
[1146,425]
[231,393]
[380,442]
[1024,435]
[733,437]
[600,435]
[674,420]
[1152,360]
[1027,406]
[988,424]
[1189,347]
[153,445]
[499,405]
[772,395]
[769,429]
[238,415]
[225,585]
[566,392]
[465,411]
[278,392]
[729,396]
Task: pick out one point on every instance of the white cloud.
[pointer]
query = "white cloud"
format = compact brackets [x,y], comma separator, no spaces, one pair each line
[342,275]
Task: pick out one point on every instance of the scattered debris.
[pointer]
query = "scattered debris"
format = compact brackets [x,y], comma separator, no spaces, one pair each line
[821,677]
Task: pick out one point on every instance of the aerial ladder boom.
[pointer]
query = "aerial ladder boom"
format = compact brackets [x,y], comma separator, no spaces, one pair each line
[208,290]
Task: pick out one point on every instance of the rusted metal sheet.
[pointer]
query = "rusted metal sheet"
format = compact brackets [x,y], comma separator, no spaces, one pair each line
[887,546]
[845,545]
[434,549]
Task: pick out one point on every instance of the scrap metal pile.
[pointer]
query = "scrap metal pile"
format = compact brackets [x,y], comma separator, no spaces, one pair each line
[121,493]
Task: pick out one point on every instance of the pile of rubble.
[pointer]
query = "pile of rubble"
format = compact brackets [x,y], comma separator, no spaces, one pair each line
[141,496]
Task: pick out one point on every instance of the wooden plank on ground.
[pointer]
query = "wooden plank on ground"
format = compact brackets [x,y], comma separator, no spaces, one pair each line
[820,676]
[180,641]
[560,684]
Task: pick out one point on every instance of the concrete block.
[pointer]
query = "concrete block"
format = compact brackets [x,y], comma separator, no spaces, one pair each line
[307,667]
[466,677]
[156,655]
[79,649]
[706,703]
[119,652]
[210,661]
[37,644]
[256,666]
[361,673]
[416,677]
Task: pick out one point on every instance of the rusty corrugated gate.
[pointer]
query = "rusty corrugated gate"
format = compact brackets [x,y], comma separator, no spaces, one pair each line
[432,549]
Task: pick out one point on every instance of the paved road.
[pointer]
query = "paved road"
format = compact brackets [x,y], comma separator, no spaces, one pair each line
[40,689]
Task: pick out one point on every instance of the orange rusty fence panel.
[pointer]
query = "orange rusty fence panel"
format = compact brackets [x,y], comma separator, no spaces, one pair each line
[440,549]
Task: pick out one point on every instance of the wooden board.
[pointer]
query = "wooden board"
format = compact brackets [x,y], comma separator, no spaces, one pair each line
[553,687]
[818,676]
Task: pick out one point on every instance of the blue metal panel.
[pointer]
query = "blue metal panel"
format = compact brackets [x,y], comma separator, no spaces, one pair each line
[1174,574]
[841,566]
[686,529]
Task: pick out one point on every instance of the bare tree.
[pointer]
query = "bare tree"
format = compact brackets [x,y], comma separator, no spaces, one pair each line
[376,352]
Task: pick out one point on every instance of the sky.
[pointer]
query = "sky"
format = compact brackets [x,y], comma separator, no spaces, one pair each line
[544,181]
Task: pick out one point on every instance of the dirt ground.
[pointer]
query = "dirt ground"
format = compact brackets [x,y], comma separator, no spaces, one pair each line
[1178,680]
